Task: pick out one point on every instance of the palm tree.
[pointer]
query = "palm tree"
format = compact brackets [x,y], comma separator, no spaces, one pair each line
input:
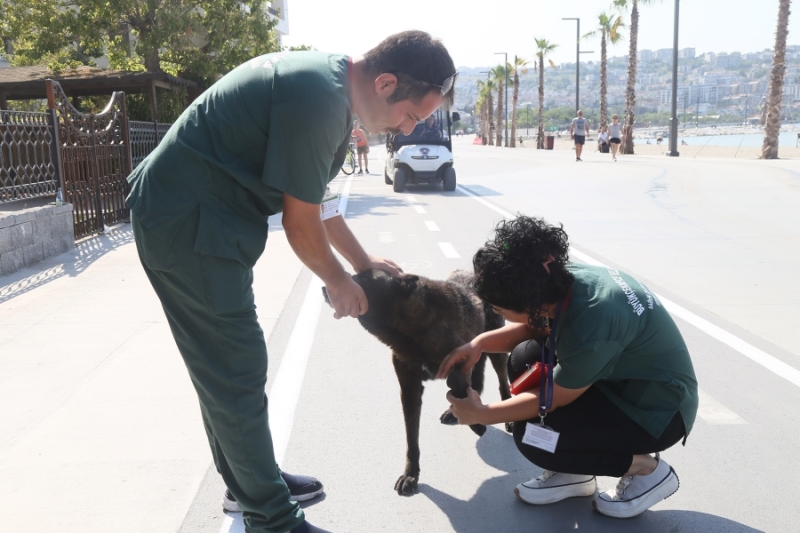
[490,86]
[482,109]
[769,149]
[519,64]
[630,88]
[608,27]
[498,74]
[545,47]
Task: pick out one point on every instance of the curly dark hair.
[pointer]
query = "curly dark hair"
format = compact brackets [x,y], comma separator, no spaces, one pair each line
[509,271]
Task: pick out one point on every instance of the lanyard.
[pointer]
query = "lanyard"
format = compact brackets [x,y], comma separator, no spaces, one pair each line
[548,361]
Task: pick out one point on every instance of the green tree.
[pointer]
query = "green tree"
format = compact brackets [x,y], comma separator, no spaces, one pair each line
[197,39]
[519,64]
[544,47]
[499,74]
[630,88]
[772,128]
[608,29]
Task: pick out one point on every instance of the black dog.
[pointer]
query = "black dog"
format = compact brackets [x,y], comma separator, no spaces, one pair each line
[422,320]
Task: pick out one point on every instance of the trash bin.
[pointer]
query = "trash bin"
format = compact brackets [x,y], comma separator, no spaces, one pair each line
[550,142]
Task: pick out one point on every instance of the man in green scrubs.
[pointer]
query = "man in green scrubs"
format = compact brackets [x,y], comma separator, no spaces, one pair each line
[266,138]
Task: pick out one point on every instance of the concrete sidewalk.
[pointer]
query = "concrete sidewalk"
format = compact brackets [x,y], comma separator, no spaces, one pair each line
[95,402]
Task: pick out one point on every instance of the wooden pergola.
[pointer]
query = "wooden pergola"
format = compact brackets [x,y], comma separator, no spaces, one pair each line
[28,83]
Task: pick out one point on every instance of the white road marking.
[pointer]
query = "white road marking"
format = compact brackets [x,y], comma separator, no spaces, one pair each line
[448,250]
[288,381]
[385,237]
[410,199]
[712,412]
[432,225]
[419,208]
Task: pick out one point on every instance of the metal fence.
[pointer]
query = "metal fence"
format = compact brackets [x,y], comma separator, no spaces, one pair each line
[27,156]
[145,136]
[88,156]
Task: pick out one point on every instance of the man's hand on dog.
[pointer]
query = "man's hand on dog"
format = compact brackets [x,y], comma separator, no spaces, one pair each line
[468,410]
[387,265]
[347,298]
[468,354]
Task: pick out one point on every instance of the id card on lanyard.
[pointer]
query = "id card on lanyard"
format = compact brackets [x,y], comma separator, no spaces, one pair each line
[539,435]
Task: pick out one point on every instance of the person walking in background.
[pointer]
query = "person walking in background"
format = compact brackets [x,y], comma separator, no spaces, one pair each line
[578,131]
[362,146]
[614,135]
[602,141]
[267,138]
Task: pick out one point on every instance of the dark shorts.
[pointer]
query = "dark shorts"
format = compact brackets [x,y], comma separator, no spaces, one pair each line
[363,149]
[580,139]
[614,140]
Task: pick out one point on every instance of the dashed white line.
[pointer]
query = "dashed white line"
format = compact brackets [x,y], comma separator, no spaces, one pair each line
[712,412]
[419,208]
[448,250]
[431,225]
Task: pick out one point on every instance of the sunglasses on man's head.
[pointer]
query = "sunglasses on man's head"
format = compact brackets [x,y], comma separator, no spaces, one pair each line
[446,85]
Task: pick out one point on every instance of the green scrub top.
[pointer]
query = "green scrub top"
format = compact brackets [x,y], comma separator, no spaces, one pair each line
[615,333]
[279,123]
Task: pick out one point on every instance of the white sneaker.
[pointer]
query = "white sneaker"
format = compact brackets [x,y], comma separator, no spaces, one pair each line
[553,487]
[636,494]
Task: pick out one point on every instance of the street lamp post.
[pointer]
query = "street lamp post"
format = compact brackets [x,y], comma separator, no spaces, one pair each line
[673,121]
[505,106]
[578,65]
[528,116]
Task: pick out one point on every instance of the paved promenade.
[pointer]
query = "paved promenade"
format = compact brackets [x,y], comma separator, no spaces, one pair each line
[98,418]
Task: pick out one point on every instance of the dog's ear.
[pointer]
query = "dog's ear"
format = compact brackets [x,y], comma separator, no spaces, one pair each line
[408,283]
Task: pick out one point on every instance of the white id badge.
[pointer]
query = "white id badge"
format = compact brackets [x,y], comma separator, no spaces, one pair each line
[330,205]
[541,437]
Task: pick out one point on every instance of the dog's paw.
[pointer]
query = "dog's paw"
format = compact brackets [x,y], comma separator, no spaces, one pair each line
[448,418]
[406,485]
[479,429]
[510,427]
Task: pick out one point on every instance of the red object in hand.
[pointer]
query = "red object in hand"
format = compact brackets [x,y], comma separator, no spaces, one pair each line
[529,380]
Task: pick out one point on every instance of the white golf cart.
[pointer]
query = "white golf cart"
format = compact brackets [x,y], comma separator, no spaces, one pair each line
[425,156]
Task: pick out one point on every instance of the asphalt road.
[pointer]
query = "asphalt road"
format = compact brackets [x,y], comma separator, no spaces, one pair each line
[716,238]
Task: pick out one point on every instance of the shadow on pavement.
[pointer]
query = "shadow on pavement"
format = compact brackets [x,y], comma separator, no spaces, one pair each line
[494,507]
[69,263]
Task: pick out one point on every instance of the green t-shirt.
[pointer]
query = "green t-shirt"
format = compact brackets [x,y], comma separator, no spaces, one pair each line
[279,123]
[615,333]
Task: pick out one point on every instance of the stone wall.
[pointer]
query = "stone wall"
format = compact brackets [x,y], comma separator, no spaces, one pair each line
[34,234]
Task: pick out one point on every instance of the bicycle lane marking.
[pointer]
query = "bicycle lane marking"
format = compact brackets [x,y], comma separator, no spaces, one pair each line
[286,387]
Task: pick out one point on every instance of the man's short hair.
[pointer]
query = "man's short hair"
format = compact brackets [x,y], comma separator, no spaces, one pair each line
[420,63]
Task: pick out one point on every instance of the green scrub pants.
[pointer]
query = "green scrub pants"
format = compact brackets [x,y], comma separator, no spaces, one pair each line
[210,308]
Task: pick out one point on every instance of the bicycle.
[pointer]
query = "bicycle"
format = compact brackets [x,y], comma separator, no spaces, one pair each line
[349,165]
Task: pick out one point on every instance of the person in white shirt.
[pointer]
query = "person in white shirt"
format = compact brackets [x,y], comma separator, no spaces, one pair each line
[578,131]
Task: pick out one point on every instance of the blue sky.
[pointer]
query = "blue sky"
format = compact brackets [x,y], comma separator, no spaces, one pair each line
[473,30]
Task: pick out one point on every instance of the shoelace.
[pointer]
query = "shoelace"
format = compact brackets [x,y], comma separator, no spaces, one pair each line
[546,475]
[622,486]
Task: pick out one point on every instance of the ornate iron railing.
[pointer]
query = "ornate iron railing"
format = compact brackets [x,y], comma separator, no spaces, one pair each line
[145,136]
[28,161]
[95,160]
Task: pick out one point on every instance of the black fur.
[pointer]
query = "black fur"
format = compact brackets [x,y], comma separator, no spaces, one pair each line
[422,320]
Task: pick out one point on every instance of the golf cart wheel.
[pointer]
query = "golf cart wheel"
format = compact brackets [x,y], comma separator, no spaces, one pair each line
[449,179]
[399,180]
[386,179]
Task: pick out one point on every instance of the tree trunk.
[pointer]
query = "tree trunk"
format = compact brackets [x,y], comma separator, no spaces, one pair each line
[603,82]
[512,142]
[152,62]
[500,113]
[491,120]
[630,89]
[540,135]
[772,129]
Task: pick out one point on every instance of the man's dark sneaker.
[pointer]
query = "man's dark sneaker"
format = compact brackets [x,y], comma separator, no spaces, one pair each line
[366,172]
[360,172]
[305,527]
[301,488]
